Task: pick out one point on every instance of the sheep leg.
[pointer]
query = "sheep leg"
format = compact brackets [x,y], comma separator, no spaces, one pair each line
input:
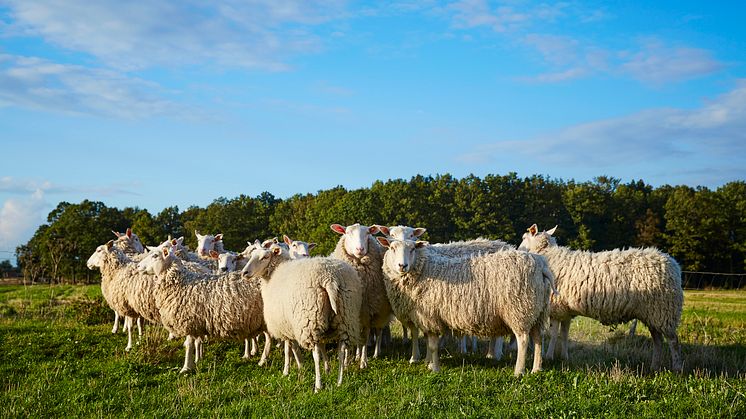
[115,328]
[536,337]
[128,325]
[286,366]
[415,346]
[342,359]
[197,349]
[254,345]
[139,327]
[462,344]
[553,332]
[520,362]
[325,358]
[379,337]
[189,355]
[495,350]
[316,367]
[296,354]
[171,336]
[246,348]
[364,348]
[657,342]
[404,333]
[428,352]
[433,345]
[633,328]
[267,347]
[474,343]
[564,334]
[673,344]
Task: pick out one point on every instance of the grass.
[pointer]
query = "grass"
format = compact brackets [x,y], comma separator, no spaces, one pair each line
[58,357]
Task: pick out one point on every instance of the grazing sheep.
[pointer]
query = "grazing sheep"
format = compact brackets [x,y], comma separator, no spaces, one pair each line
[310,302]
[359,248]
[483,295]
[455,249]
[195,305]
[613,287]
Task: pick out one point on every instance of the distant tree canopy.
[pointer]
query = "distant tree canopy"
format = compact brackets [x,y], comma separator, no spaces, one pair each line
[701,228]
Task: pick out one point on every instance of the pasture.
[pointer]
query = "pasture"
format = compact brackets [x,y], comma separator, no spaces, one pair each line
[58,357]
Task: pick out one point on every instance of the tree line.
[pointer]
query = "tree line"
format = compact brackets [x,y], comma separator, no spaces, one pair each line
[704,229]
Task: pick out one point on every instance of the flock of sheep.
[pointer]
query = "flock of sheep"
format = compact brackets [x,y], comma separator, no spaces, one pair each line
[485,288]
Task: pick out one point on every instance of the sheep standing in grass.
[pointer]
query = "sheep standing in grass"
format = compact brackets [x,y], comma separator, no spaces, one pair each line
[453,249]
[613,287]
[359,248]
[195,305]
[483,295]
[129,243]
[310,302]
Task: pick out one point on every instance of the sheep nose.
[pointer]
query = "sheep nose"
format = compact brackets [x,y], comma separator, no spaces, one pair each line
[223,269]
[403,266]
[359,249]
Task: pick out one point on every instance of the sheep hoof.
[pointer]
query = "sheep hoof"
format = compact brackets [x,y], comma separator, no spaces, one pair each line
[262,363]
[363,364]
[184,370]
[413,360]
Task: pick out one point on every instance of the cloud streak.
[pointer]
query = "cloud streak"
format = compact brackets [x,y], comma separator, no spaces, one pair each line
[20,217]
[713,135]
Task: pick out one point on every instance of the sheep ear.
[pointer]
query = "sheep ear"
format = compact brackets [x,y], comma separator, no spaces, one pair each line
[164,251]
[196,233]
[109,244]
[419,231]
[287,240]
[551,232]
[384,241]
[311,246]
[214,254]
[421,243]
[153,248]
[218,237]
[337,228]
[129,233]
[180,240]
[533,230]
[277,250]
[373,229]
[256,241]
[383,229]
[116,234]
[266,244]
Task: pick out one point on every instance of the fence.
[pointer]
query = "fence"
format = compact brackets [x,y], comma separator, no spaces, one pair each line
[708,280]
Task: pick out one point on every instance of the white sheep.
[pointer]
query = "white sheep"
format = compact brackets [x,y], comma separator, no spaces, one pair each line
[208,242]
[613,287]
[298,249]
[454,249]
[196,304]
[310,302]
[359,248]
[129,243]
[484,295]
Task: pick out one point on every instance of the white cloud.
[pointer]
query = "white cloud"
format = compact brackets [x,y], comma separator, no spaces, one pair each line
[137,35]
[711,137]
[20,217]
[657,63]
[37,83]
[502,17]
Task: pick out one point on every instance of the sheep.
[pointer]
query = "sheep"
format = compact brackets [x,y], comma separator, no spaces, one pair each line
[298,249]
[116,269]
[196,304]
[613,287]
[208,242]
[459,248]
[358,247]
[129,243]
[484,295]
[313,301]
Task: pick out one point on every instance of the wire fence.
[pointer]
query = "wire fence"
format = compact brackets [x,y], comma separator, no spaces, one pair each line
[712,280]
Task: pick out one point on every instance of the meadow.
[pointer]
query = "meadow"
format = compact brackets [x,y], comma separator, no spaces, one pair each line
[59,358]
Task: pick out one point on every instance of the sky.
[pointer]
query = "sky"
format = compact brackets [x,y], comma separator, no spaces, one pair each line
[158,103]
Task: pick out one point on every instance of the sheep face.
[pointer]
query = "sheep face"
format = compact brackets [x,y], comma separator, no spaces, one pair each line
[146,264]
[227,261]
[298,249]
[403,232]
[356,238]
[165,257]
[97,258]
[403,255]
[259,261]
[534,242]
[132,239]
[206,243]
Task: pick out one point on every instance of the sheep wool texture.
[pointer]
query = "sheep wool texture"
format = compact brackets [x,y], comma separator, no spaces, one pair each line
[140,294]
[616,286]
[116,272]
[224,306]
[470,247]
[376,308]
[482,295]
[313,300]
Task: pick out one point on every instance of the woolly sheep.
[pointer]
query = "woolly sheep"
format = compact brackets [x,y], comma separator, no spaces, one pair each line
[298,249]
[129,243]
[483,295]
[208,242]
[309,301]
[613,287]
[195,305]
[359,248]
[459,248]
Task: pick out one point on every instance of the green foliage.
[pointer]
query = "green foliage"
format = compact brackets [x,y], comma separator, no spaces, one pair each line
[55,364]
[701,228]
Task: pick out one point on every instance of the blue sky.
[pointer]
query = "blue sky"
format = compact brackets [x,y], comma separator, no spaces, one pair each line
[159,103]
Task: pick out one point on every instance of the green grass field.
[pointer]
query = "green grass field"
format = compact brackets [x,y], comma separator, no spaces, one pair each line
[59,358]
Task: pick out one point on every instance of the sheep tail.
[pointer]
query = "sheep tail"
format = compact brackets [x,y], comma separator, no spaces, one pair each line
[332,290]
[549,278]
